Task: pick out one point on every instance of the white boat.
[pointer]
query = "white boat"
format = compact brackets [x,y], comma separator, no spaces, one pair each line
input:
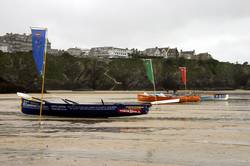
[215,97]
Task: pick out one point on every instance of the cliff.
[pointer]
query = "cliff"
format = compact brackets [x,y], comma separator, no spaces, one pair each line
[18,73]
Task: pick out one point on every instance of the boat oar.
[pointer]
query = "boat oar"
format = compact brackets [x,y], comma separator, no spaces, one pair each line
[67,101]
[165,101]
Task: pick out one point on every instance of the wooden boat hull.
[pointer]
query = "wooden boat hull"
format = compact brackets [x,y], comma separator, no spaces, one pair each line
[83,110]
[152,98]
[192,98]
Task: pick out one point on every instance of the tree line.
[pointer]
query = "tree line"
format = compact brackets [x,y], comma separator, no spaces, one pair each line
[65,72]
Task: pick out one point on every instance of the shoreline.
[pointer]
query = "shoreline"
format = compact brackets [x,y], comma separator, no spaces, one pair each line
[54,93]
[237,91]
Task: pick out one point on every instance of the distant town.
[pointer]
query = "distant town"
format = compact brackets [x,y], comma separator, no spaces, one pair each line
[12,42]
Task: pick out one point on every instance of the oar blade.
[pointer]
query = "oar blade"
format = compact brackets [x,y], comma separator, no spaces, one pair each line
[165,101]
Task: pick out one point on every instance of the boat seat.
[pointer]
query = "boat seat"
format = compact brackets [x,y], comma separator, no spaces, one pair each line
[69,101]
[161,95]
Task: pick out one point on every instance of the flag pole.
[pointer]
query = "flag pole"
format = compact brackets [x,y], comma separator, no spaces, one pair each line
[151,65]
[43,76]
[183,72]
[185,88]
[186,82]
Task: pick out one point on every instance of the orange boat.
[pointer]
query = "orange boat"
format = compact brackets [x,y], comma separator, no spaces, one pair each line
[150,98]
[161,97]
[191,98]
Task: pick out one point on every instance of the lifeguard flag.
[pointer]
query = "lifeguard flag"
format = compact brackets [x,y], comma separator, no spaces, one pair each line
[183,72]
[38,47]
[149,70]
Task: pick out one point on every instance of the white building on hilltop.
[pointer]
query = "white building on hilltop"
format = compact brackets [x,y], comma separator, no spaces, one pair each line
[110,52]
[75,51]
[78,52]
[4,48]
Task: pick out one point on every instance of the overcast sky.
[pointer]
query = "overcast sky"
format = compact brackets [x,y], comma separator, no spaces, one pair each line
[219,27]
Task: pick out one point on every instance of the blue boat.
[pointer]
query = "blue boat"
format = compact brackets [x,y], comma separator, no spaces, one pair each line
[72,109]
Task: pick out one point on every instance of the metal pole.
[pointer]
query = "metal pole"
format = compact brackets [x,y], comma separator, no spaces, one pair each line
[151,64]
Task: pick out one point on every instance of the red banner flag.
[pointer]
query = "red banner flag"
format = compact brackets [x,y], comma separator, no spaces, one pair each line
[183,72]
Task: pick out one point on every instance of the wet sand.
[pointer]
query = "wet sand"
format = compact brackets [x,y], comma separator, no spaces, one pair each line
[206,133]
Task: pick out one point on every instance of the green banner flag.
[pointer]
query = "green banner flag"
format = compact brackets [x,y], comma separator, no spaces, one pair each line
[149,69]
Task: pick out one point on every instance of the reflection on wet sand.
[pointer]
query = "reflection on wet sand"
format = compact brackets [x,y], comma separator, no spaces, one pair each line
[185,134]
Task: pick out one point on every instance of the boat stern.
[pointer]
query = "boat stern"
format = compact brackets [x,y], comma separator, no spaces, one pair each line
[136,109]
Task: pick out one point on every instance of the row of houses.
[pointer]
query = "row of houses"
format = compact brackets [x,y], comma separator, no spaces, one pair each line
[23,43]
[167,52]
[105,52]
[112,52]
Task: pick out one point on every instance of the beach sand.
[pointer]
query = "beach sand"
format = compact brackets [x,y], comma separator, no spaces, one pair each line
[206,133]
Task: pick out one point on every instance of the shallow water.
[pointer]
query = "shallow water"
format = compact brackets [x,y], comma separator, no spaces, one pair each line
[205,133]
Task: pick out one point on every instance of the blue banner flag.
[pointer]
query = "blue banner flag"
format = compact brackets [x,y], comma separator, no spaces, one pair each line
[38,47]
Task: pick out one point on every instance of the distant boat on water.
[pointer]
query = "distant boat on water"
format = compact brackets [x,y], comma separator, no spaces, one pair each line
[160,98]
[145,97]
[157,98]
[215,97]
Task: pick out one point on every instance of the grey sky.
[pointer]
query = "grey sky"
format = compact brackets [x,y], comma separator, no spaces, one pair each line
[220,27]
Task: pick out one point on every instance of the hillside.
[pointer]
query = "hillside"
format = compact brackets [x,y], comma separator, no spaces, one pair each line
[18,73]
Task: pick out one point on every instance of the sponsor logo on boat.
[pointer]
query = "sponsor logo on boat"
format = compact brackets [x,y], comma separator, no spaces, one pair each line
[129,111]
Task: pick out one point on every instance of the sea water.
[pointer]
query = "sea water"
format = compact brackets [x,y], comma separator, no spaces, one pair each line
[203,133]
